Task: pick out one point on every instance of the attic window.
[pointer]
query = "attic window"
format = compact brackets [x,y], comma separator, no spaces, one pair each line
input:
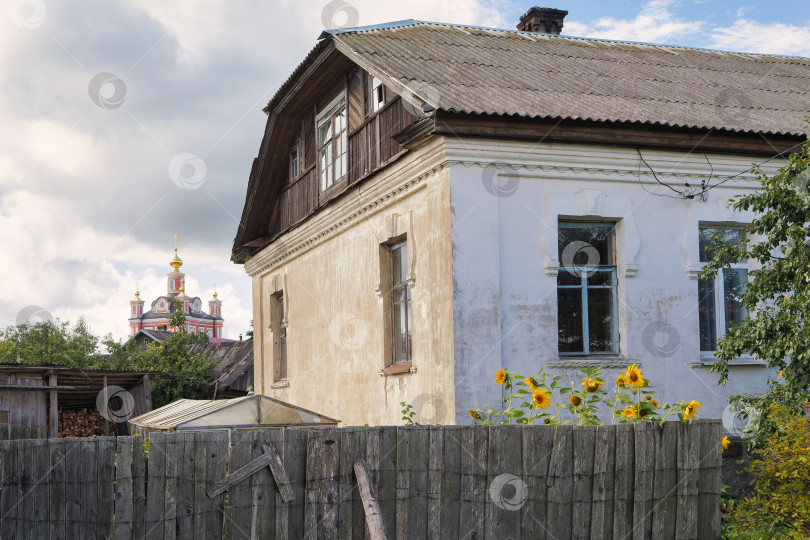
[332,143]
[295,161]
[377,94]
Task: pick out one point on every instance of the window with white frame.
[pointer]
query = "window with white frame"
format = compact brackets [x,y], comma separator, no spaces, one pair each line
[332,144]
[377,94]
[586,289]
[295,162]
[719,298]
[278,325]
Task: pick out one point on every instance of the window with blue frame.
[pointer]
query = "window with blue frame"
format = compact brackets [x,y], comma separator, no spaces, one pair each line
[586,288]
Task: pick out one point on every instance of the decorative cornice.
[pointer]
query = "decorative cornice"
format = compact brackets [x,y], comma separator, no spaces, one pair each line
[261,264]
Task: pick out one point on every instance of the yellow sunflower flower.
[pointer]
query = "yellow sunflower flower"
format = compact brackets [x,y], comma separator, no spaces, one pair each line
[781,373]
[530,383]
[592,385]
[474,414]
[575,400]
[725,442]
[629,412]
[633,376]
[541,399]
[621,381]
[654,402]
[690,410]
[500,376]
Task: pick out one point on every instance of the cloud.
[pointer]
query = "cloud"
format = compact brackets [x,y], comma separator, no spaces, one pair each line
[772,38]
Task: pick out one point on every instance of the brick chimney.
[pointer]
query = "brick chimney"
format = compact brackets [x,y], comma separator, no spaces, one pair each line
[543,21]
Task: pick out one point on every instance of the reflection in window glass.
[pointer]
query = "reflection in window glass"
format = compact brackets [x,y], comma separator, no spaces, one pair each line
[332,146]
[400,303]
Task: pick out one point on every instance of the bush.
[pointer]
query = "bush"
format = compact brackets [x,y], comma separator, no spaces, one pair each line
[780,507]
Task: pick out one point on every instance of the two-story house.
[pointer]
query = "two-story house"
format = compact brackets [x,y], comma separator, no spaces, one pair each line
[433,202]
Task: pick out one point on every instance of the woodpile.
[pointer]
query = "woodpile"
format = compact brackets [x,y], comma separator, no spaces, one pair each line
[81,423]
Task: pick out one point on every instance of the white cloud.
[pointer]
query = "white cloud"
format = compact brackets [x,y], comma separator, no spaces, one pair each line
[752,36]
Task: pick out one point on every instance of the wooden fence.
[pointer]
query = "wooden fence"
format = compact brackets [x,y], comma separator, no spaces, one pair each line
[626,481]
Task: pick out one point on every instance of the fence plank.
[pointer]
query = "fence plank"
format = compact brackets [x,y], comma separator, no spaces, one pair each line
[56,504]
[474,497]
[73,488]
[710,466]
[403,482]
[537,443]
[25,466]
[603,482]
[374,522]
[123,488]
[506,488]
[686,524]
[40,494]
[348,526]
[381,456]
[237,484]
[106,486]
[138,488]
[644,440]
[290,516]
[418,484]
[623,484]
[264,488]
[10,489]
[584,441]
[174,449]
[322,484]
[217,452]
[201,499]
[155,484]
[90,489]
[560,484]
[184,506]
[664,496]
[451,480]
[435,461]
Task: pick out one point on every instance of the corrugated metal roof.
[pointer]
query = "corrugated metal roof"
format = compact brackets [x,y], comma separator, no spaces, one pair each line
[501,72]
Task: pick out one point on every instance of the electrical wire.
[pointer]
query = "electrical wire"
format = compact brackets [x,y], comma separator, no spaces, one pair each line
[680,195]
[749,169]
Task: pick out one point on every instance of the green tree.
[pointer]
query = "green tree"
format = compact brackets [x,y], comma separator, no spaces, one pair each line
[777,297]
[50,343]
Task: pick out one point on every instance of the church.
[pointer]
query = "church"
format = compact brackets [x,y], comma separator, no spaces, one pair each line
[157,318]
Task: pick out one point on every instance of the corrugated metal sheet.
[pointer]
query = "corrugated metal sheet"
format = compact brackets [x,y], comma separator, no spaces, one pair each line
[477,70]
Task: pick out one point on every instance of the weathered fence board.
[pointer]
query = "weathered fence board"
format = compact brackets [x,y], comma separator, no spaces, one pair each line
[625,481]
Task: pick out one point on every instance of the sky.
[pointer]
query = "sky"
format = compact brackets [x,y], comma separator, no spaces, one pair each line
[123,123]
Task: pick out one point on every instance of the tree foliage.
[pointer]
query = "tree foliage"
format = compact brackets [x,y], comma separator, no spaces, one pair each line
[49,343]
[778,293]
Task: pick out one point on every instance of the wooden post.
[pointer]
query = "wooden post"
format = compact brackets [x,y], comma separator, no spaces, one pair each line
[147,391]
[54,412]
[374,521]
[106,405]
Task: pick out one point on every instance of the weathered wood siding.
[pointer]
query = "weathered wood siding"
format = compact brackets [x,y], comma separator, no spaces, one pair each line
[27,409]
[626,481]
[370,146]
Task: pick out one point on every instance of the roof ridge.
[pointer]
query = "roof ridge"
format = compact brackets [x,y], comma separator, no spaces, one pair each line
[413,22]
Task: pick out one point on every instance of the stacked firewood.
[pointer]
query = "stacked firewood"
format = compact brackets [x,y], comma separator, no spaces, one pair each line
[81,423]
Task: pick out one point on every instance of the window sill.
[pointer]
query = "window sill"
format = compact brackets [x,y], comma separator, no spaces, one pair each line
[708,359]
[398,369]
[587,361]
[283,383]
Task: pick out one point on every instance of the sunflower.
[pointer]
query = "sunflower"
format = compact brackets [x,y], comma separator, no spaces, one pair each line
[654,402]
[531,383]
[621,381]
[725,442]
[634,377]
[541,399]
[592,385]
[575,400]
[475,414]
[781,373]
[629,412]
[500,376]
[690,410]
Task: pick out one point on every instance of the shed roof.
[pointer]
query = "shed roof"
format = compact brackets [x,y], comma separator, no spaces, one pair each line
[251,411]
[468,69]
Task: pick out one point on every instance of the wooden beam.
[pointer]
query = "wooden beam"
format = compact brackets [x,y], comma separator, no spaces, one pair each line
[106,404]
[147,391]
[374,520]
[279,474]
[43,388]
[53,432]
[239,475]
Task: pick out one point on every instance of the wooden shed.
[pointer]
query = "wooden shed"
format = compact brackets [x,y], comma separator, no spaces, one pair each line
[32,395]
